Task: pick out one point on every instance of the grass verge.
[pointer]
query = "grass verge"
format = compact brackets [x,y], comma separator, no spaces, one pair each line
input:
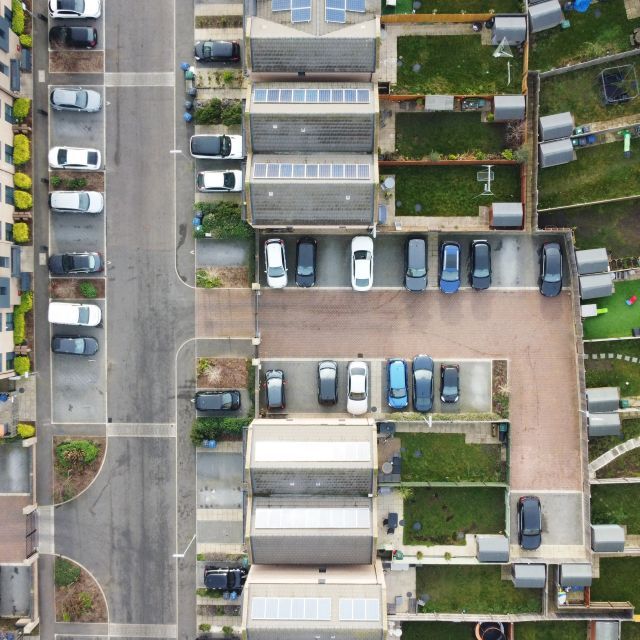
[598,446]
[619,320]
[618,581]
[616,504]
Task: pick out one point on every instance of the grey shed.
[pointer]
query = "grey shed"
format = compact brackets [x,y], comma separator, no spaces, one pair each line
[556,152]
[575,575]
[508,108]
[607,630]
[597,285]
[507,215]
[513,28]
[592,261]
[493,549]
[606,538]
[545,15]
[603,399]
[558,125]
[529,576]
[604,424]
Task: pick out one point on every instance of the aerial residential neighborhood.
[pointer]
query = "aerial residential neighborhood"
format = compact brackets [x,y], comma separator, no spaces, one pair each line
[320,319]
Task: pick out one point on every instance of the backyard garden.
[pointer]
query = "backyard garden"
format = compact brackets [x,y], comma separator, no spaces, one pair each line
[598,446]
[630,631]
[455,6]
[618,581]
[437,631]
[616,504]
[618,322]
[554,630]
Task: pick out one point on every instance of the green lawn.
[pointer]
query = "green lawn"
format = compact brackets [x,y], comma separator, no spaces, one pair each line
[626,466]
[444,457]
[475,589]
[630,631]
[599,173]
[454,65]
[438,631]
[616,504]
[618,581]
[551,630]
[612,225]
[619,320]
[447,190]
[625,347]
[419,134]
[457,6]
[598,446]
[447,513]
[591,35]
[579,92]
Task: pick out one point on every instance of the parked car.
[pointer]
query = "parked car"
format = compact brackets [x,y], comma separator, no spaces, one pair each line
[61,264]
[357,388]
[275,263]
[216,51]
[74,37]
[72,313]
[362,263]
[216,147]
[219,181]
[529,523]
[306,249]
[274,388]
[480,274]
[75,158]
[74,8]
[397,386]
[327,382]
[423,383]
[551,269]
[449,267]
[224,578]
[75,99]
[415,263]
[217,400]
[74,345]
[76,202]
[449,383]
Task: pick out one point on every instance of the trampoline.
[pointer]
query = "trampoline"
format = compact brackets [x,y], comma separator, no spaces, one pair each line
[619,84]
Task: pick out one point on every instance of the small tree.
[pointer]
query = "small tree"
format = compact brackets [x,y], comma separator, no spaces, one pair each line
[65,573]
[22,181]
[26,431]
[22,200]
[21,108]
[17,20]
[232,114]
[210,113]
[76,453]
[21,149]
[227,630]
[21,365]
[205,627]
[20,232]
[26,41]
[88,290]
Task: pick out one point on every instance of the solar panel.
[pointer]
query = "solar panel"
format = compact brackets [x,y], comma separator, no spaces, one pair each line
[363,95]
[260,170]
[301,4]
[291,608]
[286,170]
[365,609]
[273,95]
[356,5]
[260,95]
[363,171]
[280,5]
[285,95]
[312,171]
[298,95]
[335,4]
[312,95]
[301,15]
[336,15]
[337,95]
[324,170]
[324,95]
[349,95]
[298,171]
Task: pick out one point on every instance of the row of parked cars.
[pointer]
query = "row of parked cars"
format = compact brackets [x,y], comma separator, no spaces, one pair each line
[75,37]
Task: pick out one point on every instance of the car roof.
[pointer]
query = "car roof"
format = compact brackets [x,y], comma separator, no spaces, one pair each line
[206,144]
[397,370]
[274,253]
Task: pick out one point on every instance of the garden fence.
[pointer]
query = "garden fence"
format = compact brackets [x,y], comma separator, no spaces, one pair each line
[590,63]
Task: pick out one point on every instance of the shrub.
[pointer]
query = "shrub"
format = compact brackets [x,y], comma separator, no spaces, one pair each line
[21,107]
[227,631]
[26,41]
[22,200]
[205,280]
[232,114]
[86,601]
[21,149]
[76,183]
[55,181]
[18,327]
[228,76]
[222,220]
[20,232]
[88,290]
[22,181]
[76,453]
[213,428]
[65,573]
[17,21]
[26,431]
[21,365]
[210,113]
[204,627]
[507,154]
[26,301]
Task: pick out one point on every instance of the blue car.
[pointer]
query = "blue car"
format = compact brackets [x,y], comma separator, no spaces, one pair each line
[449,267]
[398,393]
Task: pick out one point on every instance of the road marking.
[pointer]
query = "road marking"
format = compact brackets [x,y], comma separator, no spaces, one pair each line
[140,430]
[142,630]
[41,75]
[46,530]
[135,79]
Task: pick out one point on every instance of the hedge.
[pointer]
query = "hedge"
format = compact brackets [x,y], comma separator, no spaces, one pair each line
[223,221]
[214,428]
[232,114]
[21,107]
[65,573]
[21,149]
[211,113]
[76,451]
[26,304]
[21,365]
[20,232]
[22,181]
[26,431]
[17,21]
[22,200]
[26,41]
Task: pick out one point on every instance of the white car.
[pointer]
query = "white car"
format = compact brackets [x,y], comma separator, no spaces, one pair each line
[71,313]
[358,388]
[275,263]
[75,158]
[76,201]
[75,99]
[214,181]
[361,263]
[74,8]
[216,147]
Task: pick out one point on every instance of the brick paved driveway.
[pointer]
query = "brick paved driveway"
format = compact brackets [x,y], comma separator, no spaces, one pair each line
[534,333]
[224,313]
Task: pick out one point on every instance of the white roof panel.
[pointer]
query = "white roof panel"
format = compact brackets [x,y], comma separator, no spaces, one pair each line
[283,451]
[312,518]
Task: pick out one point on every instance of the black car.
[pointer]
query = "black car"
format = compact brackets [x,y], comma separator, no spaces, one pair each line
[217,51]
[306,262]
[449,383]
[415,263]
[422,383]
[217,400]
[75,37]
[225,578]
[64,263]
[529,523]
[551,269]
[74,345]
[327,382]
[480,274]
[274,389]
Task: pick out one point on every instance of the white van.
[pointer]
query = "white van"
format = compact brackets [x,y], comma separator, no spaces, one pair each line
[71,313]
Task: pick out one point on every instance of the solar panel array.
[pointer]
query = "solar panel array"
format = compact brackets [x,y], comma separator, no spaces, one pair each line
[336,10]
[300,9]
[312,518]
[325,171]
[300,451]
[360,609]
[291,608]
[313,96]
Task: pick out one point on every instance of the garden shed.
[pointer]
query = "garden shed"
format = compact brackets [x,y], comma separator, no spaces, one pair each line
[607,629]
[604,424]
[529,576]
[597,285]
[606,538]
[493,549]
[592,261]
[603,399]
[545,15]
[513,28]
[507,108]
[439,103]
[557,125]
[575,575]
[507,215]
[556,152]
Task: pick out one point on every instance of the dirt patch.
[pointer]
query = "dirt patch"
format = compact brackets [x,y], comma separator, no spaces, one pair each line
[500,388]
[222,373]
[81,601]
[387,449]
[68,483]
[66,61]
[69,288]
[225,277]
[94,180]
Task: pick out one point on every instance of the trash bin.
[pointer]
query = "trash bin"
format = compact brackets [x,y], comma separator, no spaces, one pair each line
[624,404]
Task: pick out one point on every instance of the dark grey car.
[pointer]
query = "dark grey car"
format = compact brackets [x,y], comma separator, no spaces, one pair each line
[423,383]
[327,382]
[217,51]
[74,345]
[449,383]
[274,389]
[529,523]
[551,269]
[74,37]
[480,273]
[415,263]
[217,400]
[86,262]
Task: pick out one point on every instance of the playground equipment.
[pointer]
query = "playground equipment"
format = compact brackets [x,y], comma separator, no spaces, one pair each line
[632,300]
[618,84]
[490,631]
[486,176]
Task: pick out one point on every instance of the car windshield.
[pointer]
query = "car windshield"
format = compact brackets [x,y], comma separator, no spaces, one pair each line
[229,180]
[481,272]
[83,201]
[416,273]
[362,282]
[398,393]
[449,276]
[226,399]
[62,156]
[423,376]
[225,146]
[275,272]
[81,99]
[305,270]
[530,532]
[358,396]
[83,315]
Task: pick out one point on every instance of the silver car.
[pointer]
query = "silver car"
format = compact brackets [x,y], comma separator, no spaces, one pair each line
[75,99]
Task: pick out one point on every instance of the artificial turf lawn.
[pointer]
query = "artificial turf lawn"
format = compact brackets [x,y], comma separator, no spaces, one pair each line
[618,581]
[472,589]
[580,93]
[448,190]
[444,457]
[456,6]
[419,134]
[616,323]
[556,630]
[612,225]
[454,65]
[616,504]
[601,30]
[447,513]
[438,631]
[598,446]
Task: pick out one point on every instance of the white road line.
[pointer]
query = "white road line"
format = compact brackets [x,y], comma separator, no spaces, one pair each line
[134,79]
[134,430]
